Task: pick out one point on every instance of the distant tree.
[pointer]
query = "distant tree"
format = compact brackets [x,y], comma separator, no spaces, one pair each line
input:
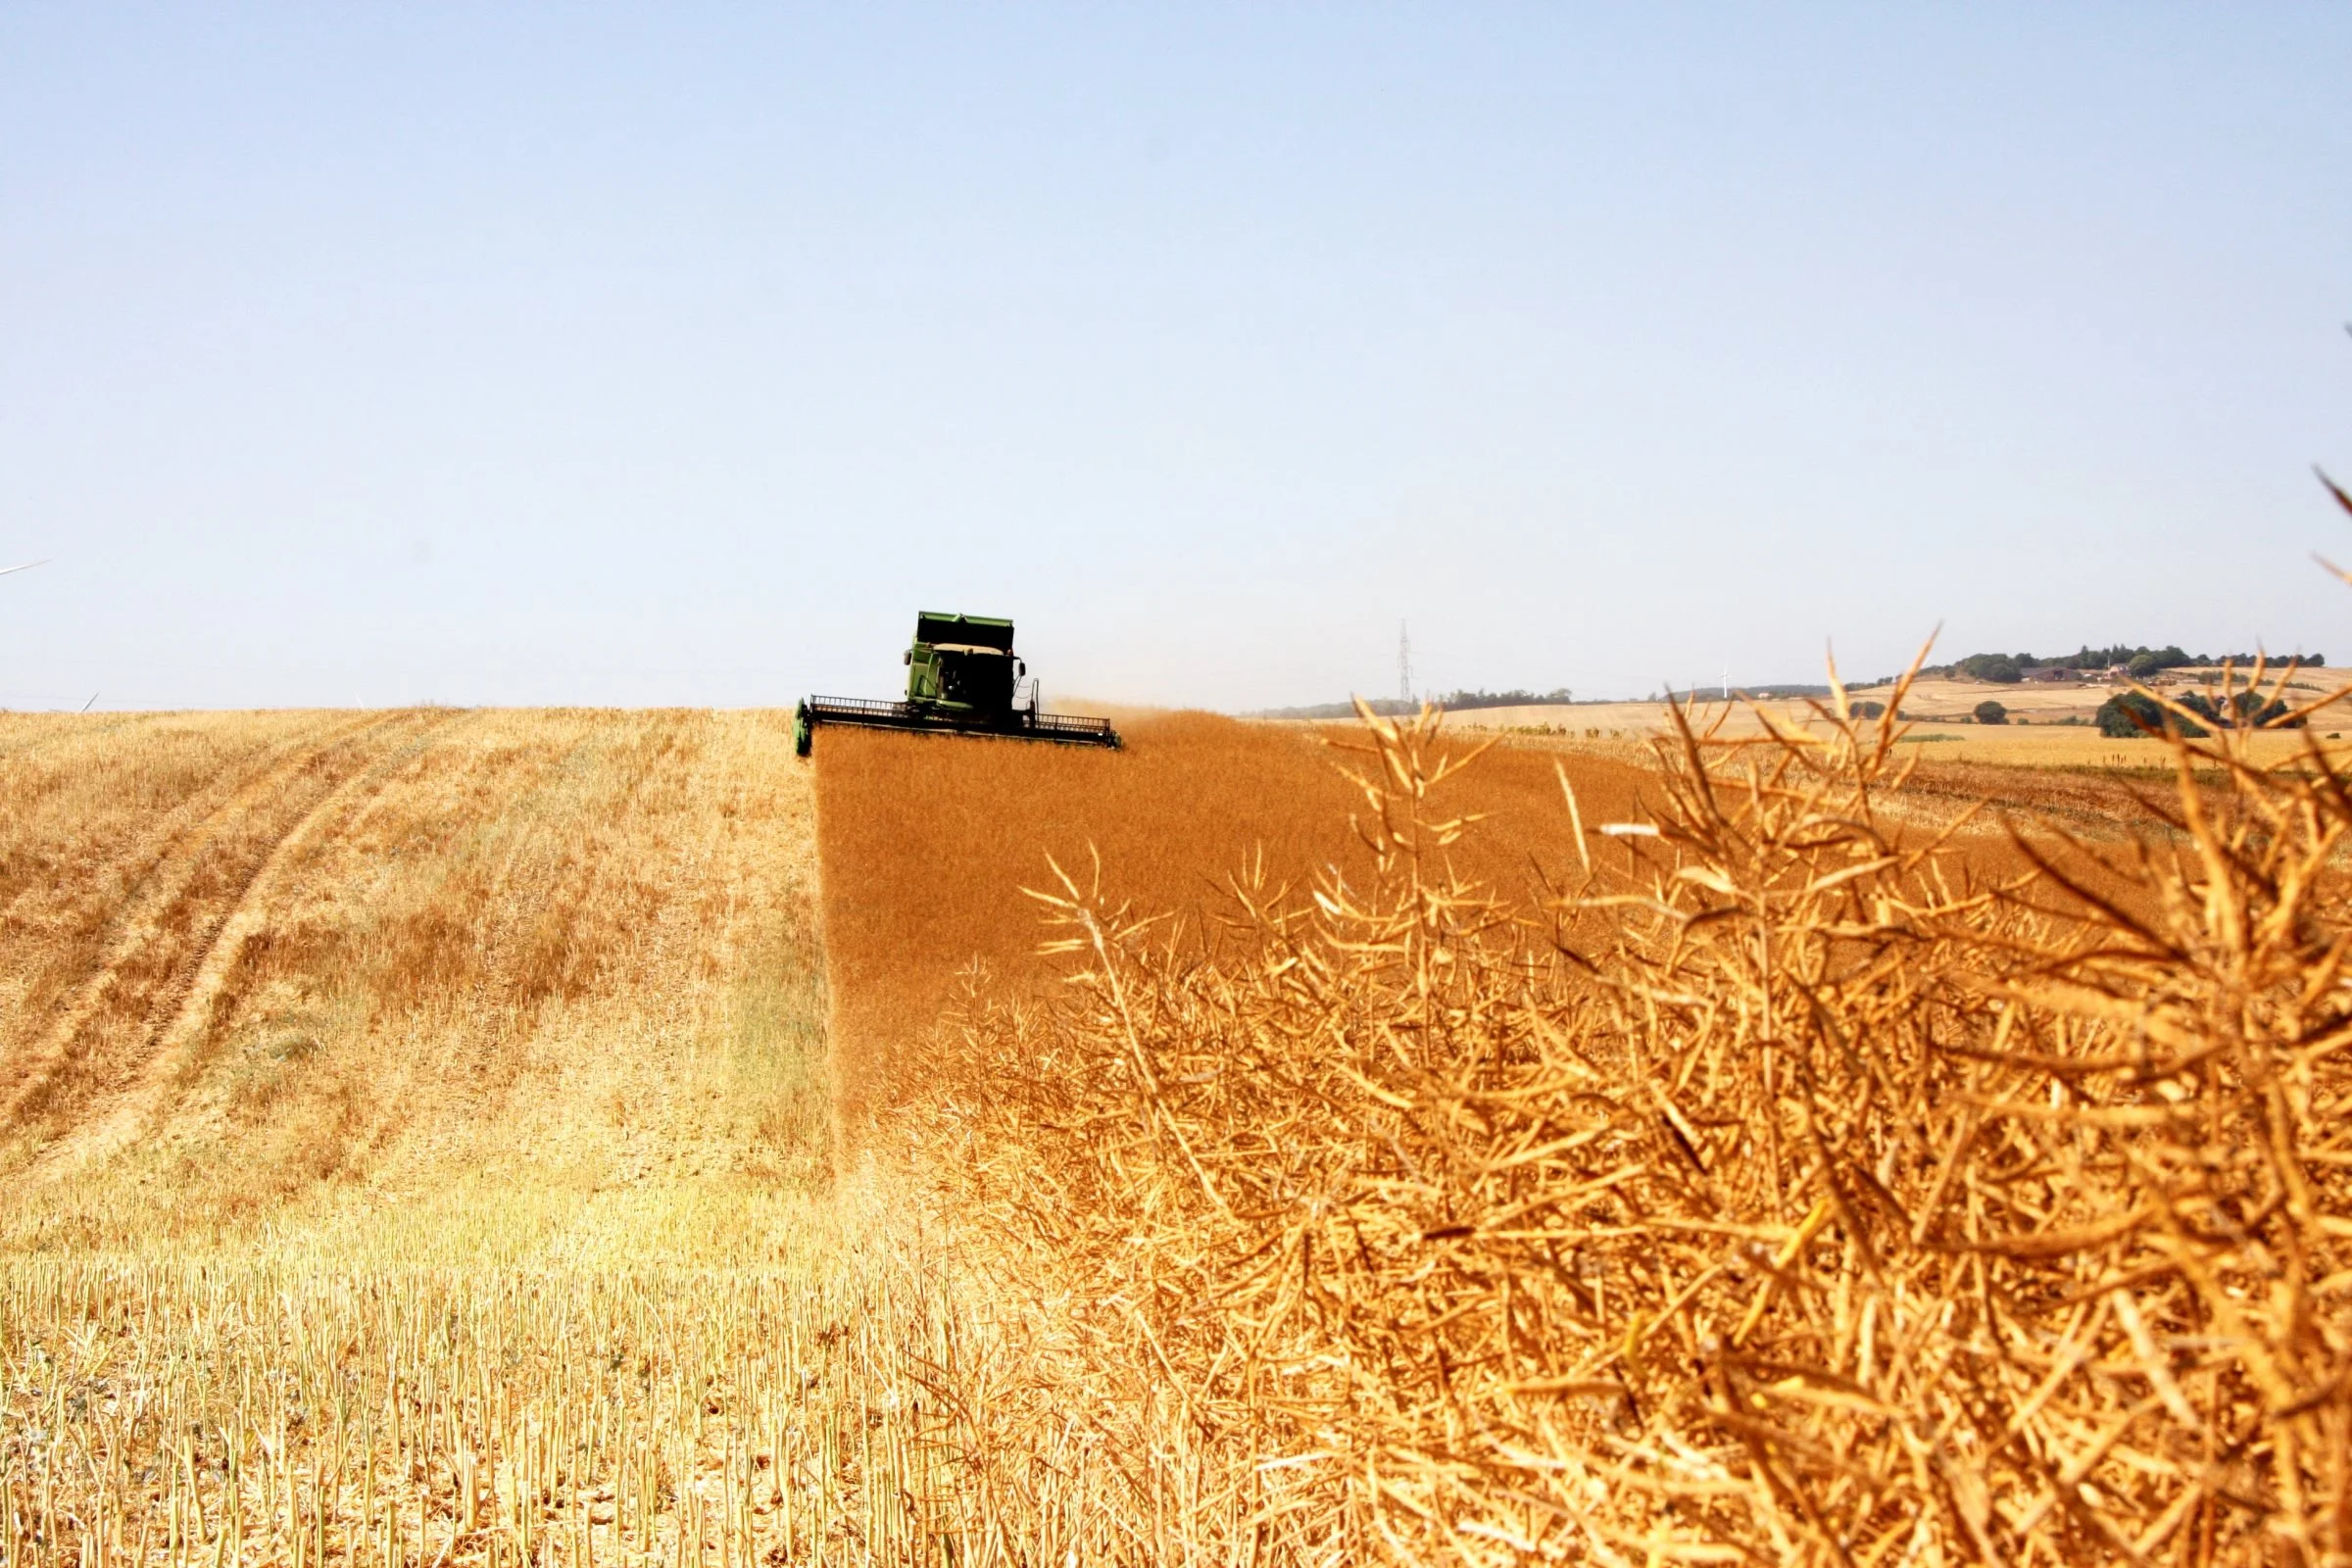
[2243,711]
[2127,715]
[1989,711]
[2155,661]
[1998,668]
[1865,709]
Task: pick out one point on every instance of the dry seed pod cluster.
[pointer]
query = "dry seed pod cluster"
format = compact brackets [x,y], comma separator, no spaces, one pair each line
[1773,1192]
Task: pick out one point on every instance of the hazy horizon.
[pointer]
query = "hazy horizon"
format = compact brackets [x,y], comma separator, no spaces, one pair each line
[615,357]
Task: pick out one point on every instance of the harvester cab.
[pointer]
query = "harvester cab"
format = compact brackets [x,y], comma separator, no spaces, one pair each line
[966,664]
[963,678]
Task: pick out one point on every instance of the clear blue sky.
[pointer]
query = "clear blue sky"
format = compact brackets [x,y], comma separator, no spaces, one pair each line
[679,353]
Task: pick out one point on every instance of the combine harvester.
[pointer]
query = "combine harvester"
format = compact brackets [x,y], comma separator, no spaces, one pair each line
[962,678]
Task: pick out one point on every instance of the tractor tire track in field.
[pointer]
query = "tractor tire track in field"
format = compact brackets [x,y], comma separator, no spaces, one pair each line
[287,969]
[173,1052]
[169,923]
[173,829]
[163,863]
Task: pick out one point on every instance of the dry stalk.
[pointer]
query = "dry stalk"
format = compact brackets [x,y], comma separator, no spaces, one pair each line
[1776,1192]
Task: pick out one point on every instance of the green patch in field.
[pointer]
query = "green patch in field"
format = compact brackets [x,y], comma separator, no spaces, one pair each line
[772,1039]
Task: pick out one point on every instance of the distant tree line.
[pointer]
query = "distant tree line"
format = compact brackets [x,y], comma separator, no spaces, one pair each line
[1510,699]
[2006,669]
[1386,706]
[1395,707]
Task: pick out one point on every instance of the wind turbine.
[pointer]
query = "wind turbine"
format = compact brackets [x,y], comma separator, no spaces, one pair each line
[28,566]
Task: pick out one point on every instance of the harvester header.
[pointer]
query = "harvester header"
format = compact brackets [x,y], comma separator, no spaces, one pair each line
[962,678]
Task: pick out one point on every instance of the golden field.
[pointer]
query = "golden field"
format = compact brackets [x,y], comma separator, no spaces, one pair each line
[1815,1178]
[2049,722]
[440,1137]
[928,845]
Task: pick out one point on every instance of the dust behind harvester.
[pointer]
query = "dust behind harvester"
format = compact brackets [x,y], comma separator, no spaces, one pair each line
[964,677]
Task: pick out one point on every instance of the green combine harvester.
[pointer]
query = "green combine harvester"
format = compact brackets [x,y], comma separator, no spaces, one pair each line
[963,678]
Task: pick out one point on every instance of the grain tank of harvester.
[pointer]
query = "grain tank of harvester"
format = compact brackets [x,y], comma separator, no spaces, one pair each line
[963,678]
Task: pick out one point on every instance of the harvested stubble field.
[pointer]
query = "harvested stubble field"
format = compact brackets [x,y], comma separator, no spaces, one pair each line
[415,1151]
